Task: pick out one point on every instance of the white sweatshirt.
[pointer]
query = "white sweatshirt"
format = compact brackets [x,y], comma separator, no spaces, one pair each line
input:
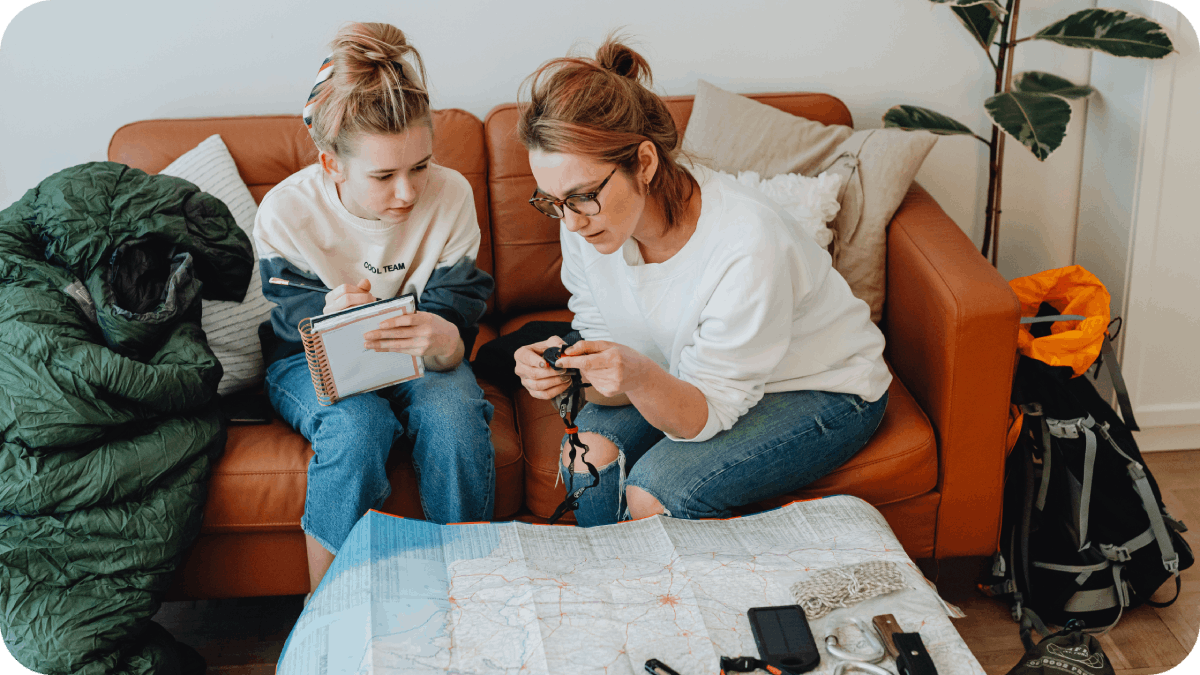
[304,231]
[302,220]
[749,305]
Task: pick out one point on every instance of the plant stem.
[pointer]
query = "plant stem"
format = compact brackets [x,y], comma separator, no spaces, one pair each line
[991,214]
[991,232]
[1016,8]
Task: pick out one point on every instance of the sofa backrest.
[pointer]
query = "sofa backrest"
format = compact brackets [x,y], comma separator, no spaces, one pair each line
[270,148]
[519,245]
[525,247]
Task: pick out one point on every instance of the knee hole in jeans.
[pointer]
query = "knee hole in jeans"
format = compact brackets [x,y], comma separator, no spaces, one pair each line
[602,451]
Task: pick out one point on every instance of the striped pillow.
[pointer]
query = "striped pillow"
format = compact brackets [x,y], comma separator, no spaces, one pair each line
[231,327]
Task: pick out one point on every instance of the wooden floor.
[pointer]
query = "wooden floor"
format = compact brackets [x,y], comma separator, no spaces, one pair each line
[245,636]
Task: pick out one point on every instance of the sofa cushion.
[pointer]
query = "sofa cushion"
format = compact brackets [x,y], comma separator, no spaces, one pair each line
[258,485]
[899,462]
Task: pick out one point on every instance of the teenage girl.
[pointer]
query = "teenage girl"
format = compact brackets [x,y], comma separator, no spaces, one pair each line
[729,361]
[376,218]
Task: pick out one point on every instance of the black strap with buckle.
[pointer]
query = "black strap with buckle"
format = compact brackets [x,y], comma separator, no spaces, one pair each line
[568,404]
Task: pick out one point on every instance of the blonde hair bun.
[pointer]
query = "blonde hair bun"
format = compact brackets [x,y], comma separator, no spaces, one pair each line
[377,86]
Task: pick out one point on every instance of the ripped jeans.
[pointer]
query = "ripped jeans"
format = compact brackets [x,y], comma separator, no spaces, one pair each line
[786,441]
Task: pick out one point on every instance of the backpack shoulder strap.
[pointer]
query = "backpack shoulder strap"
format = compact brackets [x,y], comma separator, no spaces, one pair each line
[1118,381]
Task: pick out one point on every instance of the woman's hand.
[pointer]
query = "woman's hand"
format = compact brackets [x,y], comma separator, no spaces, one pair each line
[612,369]
[419,334]
[539,379]
[347,296]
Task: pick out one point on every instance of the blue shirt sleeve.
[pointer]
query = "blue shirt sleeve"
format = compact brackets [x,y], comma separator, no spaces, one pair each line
[291,306]
[458,293]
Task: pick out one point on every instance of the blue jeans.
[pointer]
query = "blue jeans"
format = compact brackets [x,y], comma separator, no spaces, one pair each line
[783,443]
[445,416]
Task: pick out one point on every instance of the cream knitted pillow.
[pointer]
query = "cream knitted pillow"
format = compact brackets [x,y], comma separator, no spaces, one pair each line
[231,327]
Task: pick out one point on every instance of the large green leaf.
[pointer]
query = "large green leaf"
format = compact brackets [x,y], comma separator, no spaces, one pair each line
[1036,82]
[981,19]
[1110,30]
[911,118]
[1039,121]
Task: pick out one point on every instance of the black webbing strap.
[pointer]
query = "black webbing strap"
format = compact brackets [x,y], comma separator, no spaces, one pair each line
[571,502]
[746,664]
[1168,603]
[568,404]
[1031,622]
[1108,357]
[1118,383]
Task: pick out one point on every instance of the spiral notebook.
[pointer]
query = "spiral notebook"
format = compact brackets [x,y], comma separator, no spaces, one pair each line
[339,364]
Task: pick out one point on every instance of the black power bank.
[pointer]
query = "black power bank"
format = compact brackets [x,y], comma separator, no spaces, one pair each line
[783,638]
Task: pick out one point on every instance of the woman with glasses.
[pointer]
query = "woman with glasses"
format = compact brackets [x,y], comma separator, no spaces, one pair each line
[728,361]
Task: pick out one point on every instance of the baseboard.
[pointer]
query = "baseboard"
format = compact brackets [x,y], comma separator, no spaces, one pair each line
[1185,414]
[1168,438]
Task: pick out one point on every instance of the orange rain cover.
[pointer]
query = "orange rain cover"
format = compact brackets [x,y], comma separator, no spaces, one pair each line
[1070,290]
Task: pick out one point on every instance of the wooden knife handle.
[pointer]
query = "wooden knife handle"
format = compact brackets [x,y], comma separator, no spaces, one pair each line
[888,626]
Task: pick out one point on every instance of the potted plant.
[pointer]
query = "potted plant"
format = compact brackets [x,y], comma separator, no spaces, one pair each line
[1032,106]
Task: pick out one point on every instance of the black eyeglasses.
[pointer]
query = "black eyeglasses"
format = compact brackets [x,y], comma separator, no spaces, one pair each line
[584,204]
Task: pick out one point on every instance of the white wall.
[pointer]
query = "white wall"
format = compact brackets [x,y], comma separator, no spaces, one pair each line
[1138,225]
[73,71]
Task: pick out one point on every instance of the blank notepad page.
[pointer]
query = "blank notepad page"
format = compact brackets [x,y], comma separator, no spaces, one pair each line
[357,369]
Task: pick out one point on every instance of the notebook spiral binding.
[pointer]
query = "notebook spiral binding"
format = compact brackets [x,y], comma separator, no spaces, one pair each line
[318,363]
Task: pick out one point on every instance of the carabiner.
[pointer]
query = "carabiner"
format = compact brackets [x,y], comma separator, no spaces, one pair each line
[875,655]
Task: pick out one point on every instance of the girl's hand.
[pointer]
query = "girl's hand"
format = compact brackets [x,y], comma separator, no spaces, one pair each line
[419,334]
[539,379]
[347,296]
[612,369]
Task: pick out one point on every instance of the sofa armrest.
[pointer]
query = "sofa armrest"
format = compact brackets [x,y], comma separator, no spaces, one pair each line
[951,323]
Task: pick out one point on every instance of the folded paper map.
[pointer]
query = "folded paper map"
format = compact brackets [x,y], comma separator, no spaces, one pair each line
[408,596]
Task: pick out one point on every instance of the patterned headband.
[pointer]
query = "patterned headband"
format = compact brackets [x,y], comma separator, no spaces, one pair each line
[322,75]
[326,72]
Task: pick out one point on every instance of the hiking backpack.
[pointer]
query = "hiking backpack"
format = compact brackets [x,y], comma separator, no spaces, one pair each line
[1084,533]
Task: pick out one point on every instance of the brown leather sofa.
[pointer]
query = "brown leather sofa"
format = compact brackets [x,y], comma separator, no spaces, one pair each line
[934,468]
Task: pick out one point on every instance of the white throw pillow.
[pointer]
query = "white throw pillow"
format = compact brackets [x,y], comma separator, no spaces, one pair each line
[812,201]
[231,327]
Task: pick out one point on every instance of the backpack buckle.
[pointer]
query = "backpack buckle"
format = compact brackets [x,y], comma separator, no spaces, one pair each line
[1115,553]
[1172,564]
[1135,471]
[1063,428]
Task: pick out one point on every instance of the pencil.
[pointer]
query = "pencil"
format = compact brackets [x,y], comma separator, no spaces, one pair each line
[284,282]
